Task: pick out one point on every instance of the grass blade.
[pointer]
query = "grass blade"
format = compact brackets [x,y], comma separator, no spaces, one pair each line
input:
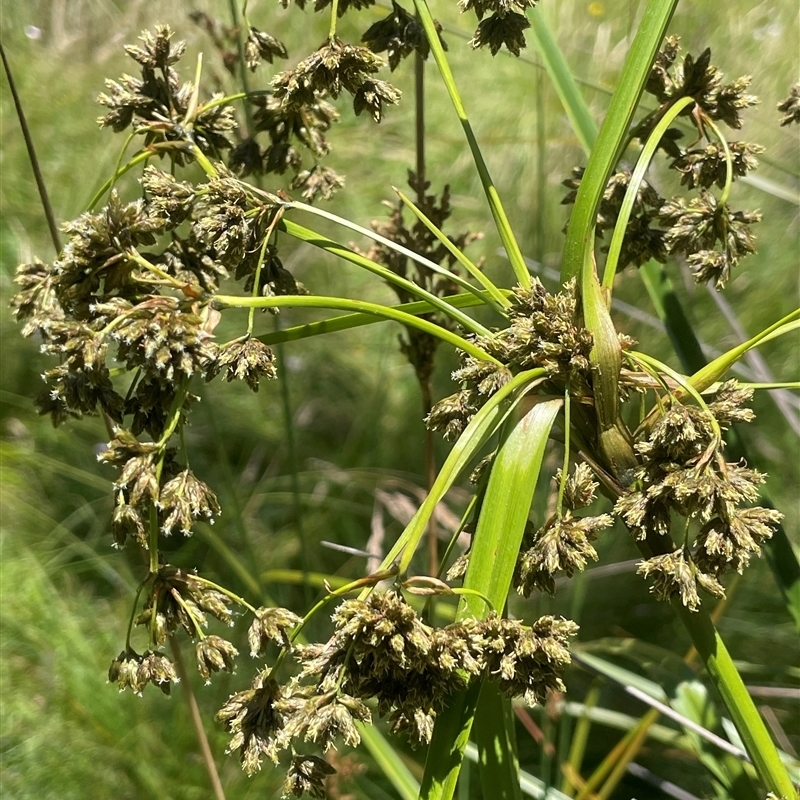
[498,296]
[344,304]
[480,429]
[495,546]
[497,745]
[563,81]
[348,321]
[410,254]
[392,766]
[726,678]
[329,246]
[612,136]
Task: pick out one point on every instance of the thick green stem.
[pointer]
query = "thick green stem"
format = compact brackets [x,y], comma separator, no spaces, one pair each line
[744,714]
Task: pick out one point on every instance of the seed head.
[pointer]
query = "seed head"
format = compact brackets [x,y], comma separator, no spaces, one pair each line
[307,775]
[134,671]
[214,654]
[255,723]
[270,624]
[791,106]
[260,46]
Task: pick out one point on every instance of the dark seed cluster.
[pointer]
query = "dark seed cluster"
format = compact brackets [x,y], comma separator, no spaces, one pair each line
[504,27]
[157,105]
[563,545]
[335,68]
[790,107]
[544,332]
[683,473]
[381,651]
[643,239]
[398,35]
[711,236]
[699,79]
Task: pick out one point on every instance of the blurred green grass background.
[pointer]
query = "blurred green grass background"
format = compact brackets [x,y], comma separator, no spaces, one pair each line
[66,593]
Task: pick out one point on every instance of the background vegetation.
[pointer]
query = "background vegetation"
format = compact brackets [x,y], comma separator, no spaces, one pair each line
[358,433]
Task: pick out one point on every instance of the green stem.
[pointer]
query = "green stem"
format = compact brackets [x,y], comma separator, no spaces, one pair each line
[133,610]
[501,302]
[286,406]
[334,15]
[746,718]
[565,467]
[134,255]
[498,212]
[728,159]
[348,321]
[257,278]
[44,197]
[189,613]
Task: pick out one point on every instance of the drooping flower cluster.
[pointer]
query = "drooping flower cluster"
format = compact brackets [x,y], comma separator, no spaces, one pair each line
[564,543]
[128,309]
[699,79]
[684,473]
[382,651]
[398,35]
[158,104]
[704,229]
[642,240]
[334,68]
[130,670]
[505,25]
[790,107]
[543,332]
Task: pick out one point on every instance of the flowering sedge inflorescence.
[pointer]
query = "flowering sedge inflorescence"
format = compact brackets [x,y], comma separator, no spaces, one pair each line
[128,308]
[382,652]
[682,471]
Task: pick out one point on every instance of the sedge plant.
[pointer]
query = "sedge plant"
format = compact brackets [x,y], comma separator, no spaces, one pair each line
[132,305]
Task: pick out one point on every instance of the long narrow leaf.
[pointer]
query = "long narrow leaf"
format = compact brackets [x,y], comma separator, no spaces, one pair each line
[749,724]
[480,429]
[398,248]
[329,246]
[498,212]
[347,321]
[471,268]
[497,745]
[612,136]
[495,546]
[362,306]
[392,766]
[563,81]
